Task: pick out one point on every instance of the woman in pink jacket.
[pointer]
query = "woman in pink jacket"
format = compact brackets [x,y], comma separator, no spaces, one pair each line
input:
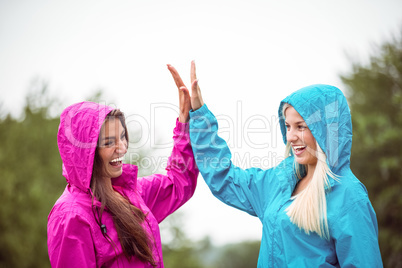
[106,217]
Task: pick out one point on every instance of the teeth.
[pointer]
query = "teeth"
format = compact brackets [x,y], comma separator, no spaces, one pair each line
[117,159]
[299,147]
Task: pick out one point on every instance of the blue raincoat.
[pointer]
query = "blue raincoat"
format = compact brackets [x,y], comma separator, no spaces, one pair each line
[267,193]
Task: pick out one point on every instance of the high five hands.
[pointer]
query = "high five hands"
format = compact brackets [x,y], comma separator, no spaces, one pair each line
[186,102]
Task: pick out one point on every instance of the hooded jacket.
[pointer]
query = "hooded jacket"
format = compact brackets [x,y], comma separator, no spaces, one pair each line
[267,193]
[75,236]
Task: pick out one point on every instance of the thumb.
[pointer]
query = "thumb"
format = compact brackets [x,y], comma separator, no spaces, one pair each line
[185,100]
[194,88]
[185,92]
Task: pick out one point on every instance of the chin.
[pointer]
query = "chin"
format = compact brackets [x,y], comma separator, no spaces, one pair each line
[301,162]
[305,161]
[116,174]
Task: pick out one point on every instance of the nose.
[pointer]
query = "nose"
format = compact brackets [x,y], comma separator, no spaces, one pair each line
[291,136]
[121,147]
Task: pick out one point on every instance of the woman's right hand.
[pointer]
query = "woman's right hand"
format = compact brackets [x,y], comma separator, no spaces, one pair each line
[196,98]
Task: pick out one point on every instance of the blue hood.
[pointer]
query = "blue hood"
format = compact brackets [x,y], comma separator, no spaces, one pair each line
[325,110]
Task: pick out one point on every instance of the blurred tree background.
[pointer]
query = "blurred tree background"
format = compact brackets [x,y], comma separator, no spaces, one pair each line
[30,168]
[374,92]
[30,180]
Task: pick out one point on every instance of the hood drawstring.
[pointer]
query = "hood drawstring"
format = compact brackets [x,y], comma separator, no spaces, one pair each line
[98,216]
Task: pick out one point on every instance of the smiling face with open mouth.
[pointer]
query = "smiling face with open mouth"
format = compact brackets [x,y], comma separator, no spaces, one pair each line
[300,138]
[112,147]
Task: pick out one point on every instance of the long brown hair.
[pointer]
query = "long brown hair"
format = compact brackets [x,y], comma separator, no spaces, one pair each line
[126,217]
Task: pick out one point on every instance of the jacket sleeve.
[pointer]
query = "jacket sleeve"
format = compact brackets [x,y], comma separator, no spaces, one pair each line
[356,236]
[70,242]
[242,189]
[164,194]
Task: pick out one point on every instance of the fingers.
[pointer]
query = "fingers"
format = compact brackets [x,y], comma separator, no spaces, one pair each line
[193,75]
[186,101]
[194,88]
[196,98]
[184,95]
[176,76]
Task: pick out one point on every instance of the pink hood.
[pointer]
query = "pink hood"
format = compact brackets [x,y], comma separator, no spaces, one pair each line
[77,142]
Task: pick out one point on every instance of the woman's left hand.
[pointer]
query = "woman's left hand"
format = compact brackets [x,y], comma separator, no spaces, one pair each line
[184,96]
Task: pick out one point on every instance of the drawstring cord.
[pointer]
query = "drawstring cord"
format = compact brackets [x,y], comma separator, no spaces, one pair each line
[98,216]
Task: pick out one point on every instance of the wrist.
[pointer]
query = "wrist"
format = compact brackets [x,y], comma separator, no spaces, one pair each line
[184,118]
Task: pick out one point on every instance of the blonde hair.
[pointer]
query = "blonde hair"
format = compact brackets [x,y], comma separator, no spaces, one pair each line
[308,210]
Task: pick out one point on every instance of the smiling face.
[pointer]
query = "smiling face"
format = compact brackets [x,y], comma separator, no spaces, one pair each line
[300,138]
[112,147]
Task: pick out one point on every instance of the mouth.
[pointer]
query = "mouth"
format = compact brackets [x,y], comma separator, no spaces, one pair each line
[298,150]
[117,162]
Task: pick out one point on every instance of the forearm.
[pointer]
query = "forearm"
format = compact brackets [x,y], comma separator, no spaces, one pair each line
[228,183]
[163,194]
[181,167]
[211,152]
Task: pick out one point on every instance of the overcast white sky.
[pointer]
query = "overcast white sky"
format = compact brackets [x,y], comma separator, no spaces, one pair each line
[249,54]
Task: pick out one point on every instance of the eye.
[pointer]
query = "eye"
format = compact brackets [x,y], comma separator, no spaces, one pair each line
[287,127]
[108,144]
[302,127]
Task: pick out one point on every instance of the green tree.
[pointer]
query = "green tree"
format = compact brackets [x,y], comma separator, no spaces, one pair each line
[374,92]
[30,169]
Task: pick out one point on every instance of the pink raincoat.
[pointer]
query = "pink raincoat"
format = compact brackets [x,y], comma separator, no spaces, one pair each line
[75,238]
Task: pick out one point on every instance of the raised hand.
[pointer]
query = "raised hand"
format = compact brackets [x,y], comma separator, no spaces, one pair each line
[187,103]
[196,98]
[184,96]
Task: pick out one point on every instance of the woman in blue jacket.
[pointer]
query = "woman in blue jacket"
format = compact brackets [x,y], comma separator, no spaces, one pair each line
[314,211]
